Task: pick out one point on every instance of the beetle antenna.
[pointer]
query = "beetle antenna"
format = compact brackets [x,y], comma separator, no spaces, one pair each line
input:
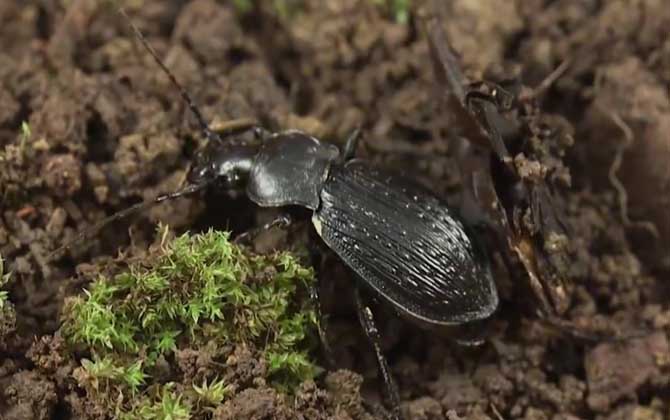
[87,233]
[204,127]
[445,61]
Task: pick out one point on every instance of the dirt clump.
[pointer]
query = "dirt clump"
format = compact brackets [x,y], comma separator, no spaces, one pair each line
[27,395]
[614,371]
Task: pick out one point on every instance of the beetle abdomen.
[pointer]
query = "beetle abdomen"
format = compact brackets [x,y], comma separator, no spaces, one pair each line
[406,244]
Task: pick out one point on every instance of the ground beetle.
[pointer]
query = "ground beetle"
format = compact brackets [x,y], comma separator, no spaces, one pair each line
[407,247]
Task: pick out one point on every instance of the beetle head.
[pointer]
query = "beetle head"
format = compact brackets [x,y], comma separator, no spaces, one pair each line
[226,165]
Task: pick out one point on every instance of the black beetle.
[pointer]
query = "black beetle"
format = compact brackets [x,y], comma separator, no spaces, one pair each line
[406,245]
[403,242]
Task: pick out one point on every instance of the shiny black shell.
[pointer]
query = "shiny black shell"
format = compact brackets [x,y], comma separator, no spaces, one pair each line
[290,169]
[406,245]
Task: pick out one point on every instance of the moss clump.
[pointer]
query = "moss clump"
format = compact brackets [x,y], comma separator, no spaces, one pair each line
[200,293]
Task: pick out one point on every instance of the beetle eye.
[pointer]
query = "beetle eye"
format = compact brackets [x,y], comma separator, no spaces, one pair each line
[201,170]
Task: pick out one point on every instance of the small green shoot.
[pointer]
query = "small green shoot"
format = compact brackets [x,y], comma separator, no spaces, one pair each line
[211,393]
[106,370]
[400,9]
[4,280]
[134,376]
[168,406]
[4,298]
[26,133]
[102,368]
[243,6]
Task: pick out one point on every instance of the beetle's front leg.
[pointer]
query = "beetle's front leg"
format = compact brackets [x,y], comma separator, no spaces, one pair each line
[367,320]
[486,110]
[283,221]
[471,101]
[233,127]
[238,126]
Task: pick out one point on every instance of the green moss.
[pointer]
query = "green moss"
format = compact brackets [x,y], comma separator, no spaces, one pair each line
[197,291]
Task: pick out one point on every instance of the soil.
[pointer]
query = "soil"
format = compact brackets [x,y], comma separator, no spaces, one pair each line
[108,130]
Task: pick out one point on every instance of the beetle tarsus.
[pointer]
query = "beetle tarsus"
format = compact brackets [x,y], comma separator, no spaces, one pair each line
[367,321]
[282,221]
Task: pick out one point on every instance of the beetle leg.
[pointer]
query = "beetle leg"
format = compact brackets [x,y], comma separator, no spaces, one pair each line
[449,74]
[282,221]
[486,111]
[367,320]
[321,325]
[351,145]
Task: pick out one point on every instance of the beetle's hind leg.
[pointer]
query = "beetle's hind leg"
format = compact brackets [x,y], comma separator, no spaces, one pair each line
[367,320]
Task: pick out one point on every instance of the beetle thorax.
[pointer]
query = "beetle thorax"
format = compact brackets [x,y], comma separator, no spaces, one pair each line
[290,169]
